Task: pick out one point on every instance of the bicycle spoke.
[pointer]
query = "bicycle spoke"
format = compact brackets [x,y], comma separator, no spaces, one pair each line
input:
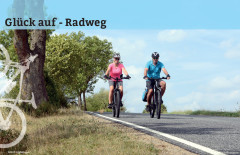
[1,117]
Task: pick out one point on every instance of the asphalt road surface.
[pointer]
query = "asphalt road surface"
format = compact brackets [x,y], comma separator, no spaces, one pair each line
[221,134]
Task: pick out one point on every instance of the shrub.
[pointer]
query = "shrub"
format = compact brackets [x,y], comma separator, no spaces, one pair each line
[99,101]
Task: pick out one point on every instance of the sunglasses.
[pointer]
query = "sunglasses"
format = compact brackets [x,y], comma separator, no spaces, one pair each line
[116,58]
[155,58]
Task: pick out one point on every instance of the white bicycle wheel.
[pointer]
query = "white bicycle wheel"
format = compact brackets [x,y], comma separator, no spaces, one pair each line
[4,65]
[24,125]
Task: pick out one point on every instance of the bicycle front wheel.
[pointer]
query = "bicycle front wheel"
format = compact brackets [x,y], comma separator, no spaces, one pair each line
[159,104]
[4,60]
[23,128]
[113,107]
[117,103]
[152,108]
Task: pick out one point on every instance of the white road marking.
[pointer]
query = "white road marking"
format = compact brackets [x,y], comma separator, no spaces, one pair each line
[194,145]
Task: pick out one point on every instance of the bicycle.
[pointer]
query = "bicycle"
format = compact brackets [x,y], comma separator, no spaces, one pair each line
[116,96]
[156,100]
[4,103]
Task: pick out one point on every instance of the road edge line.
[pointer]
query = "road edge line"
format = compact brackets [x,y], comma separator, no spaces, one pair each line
[186,142]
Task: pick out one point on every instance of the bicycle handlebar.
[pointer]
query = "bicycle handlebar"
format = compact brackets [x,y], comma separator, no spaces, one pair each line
[156,79]
[121,77]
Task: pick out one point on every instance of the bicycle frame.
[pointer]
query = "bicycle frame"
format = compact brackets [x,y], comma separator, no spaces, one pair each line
[21,70]
[116,106]
[156,88]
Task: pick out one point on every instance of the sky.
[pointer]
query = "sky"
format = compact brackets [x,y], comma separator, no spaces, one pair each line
[198,42]
[141,14]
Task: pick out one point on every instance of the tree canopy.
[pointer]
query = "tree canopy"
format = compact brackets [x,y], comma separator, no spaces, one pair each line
[76,62]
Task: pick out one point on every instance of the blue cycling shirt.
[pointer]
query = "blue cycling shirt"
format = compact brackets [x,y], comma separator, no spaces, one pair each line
[154,71]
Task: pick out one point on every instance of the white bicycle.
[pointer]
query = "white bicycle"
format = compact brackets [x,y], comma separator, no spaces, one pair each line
[10,104]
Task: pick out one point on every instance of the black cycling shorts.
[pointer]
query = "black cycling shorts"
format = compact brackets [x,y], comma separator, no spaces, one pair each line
[150,83]
[111,83]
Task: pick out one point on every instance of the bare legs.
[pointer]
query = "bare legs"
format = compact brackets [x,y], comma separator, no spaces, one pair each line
[111,89]
[150,92]
[110,97]
[163,87]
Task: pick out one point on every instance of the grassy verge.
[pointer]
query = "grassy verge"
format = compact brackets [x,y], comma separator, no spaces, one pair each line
[72,132]
[207,112]
[215,113]
[187,112]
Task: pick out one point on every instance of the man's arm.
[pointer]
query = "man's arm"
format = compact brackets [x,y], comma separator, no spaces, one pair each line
[145,73]
[166,73]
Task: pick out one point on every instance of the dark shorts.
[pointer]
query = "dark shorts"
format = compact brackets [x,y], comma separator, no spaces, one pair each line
[150,84]
[111,83]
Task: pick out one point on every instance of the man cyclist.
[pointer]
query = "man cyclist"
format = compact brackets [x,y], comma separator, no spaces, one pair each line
[153,69]
[115,69]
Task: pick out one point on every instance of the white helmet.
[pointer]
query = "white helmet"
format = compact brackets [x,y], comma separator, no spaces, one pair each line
[117,55]
[155,55]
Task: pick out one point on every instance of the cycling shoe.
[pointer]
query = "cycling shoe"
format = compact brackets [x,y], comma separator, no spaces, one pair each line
[110,106]
[121,104]
[147,108]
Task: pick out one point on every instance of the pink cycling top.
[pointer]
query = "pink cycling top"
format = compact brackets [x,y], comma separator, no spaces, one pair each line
[115,71]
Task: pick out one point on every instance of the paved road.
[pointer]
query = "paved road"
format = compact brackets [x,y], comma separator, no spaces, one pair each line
[218,133]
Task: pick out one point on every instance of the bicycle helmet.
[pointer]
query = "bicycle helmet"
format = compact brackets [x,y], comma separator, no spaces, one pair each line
[117,55]
[155,55]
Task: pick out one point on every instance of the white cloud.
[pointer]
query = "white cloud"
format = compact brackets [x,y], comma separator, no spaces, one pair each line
[232,48]
[198,66]
[219,93]
[220,83]
[134,88]
[131,51]
[193,106]
[209,101]
[224,83]
[55,33]
[233,53]
[226,43]
[134,71]
[171,35]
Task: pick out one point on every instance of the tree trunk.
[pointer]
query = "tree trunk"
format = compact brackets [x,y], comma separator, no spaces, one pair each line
[84,100]
[33,80]
[80,100]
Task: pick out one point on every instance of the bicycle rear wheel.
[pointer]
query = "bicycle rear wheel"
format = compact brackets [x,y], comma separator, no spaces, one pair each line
[117,103]
[23,125]
[159,104]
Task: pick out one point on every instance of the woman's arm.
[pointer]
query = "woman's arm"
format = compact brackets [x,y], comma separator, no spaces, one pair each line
[125,71]
[108,70]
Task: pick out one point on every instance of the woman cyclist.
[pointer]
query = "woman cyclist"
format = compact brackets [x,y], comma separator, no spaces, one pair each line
[115,69]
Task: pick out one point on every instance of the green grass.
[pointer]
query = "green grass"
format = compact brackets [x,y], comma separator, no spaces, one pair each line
[216,113]
[208,112]
[72,132]
[187,112]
